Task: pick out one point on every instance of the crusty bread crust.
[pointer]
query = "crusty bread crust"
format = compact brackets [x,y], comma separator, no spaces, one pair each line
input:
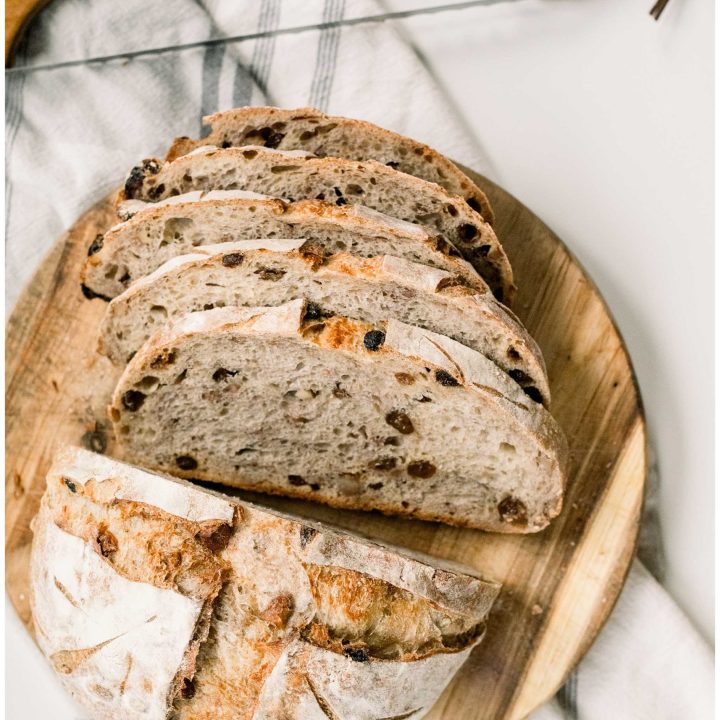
[529,421]
[309,129]
[324,619]
[292,175]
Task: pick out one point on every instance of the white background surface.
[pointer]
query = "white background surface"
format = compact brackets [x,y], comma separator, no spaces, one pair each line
[600,120]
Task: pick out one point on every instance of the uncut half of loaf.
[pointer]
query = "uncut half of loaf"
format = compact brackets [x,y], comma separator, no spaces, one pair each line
[382,416]
[272,272]
[156,599]
[296,175]
[311,130]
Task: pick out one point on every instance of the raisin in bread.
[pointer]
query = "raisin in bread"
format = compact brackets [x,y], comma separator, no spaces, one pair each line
[272,272]
[295,175]
[153,598]
[157,232]
[381,416]
[311,130]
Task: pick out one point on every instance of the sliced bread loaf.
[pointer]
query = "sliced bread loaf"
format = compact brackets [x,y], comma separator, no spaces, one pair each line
[311,130]
[273,272]
[384,416]
[295,175]
[157,232]
[153,598]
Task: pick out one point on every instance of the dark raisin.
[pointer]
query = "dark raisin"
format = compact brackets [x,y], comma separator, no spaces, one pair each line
[296,480]
[71,486]
[341,201]
[107,541]
[225,144]
[421,469]
[186,462]
[400,421]
[125,279]
[338,191]
[358,654]
[385,464]
[271,274]
[405,504]
[393,164]
[223,374]
[320,196]
[188,689]
[467,231]
[375,486]
[474,204]
[533,393]
[306,535]
[218,540]
[374,339]
[133,400]
[274,139]
[95,245]
[91,294]
[313,312]
[518,375]
[512,511]
[137,175]
[232,259]
[95,440]
[446,379]
[483,251]
[314,486]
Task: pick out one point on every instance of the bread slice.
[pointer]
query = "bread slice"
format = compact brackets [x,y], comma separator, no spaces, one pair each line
[295,175]
[158,232]
[311,130]
[381,416]
[155,598]
[272,272]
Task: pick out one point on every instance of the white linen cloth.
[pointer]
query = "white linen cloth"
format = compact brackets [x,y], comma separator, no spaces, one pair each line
[72,133]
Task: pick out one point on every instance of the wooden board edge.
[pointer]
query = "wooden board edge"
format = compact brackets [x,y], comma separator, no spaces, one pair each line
[595,564]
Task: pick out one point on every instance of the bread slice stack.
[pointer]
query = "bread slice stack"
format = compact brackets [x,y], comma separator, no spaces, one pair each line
[307,306]
[311,306]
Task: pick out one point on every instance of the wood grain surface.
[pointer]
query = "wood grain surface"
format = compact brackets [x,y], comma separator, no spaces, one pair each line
[558,585]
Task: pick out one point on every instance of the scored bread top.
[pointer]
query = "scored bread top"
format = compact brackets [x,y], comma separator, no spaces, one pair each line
[338,180]
[270,272]
[158,232]
[321,134]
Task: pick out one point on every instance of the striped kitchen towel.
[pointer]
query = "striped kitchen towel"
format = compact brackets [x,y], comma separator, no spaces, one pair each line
[72,133]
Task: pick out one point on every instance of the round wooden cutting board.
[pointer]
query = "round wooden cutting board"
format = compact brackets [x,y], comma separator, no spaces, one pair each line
[558,585]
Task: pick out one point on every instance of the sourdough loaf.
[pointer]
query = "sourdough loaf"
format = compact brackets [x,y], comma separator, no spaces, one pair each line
[297,175]
[381,416]
[311,130]
[156,599]
[156,233]
[272,272]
